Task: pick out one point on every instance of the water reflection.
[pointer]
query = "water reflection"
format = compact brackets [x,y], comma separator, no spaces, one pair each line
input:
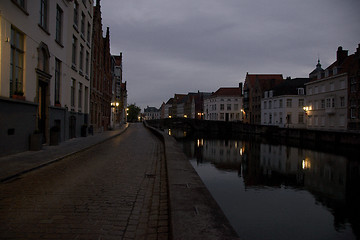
[315,185]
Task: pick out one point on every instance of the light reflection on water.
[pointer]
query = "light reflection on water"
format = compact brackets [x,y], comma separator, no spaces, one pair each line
[280,192]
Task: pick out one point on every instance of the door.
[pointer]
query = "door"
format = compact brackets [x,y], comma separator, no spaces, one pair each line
[42,109]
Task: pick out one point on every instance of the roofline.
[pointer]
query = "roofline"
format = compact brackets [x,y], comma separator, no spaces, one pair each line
[327,78]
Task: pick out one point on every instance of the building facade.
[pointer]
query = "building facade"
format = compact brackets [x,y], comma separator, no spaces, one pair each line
[224,105]
[38,83]
[254,87]
[101,78]
[151,113]
[77,97]
[283,105]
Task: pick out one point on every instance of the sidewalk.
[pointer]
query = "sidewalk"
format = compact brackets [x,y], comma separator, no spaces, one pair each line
[15,165]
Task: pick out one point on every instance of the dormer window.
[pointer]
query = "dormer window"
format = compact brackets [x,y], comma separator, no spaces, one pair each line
[300,91]
[271,92]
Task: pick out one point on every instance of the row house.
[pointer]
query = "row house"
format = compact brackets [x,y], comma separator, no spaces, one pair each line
[225,105]
[189,105]
[333,101]
[119,93]
[45,53]
[254,87]
[101,78]
[283,105]
[151,113]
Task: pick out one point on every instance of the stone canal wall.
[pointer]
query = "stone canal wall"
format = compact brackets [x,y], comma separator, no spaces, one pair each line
[233,128]
[194,214]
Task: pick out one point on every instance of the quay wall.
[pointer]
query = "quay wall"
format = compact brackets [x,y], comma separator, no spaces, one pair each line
[194,214]
[221,128]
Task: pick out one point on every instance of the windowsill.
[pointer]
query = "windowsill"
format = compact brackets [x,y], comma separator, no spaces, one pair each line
[20,7]
[81,73]
[86,77]
[45,30]
[88,44]
[59,43]
[76,28]
[82,36]
[73,67]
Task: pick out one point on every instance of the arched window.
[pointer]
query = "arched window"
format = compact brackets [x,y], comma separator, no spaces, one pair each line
[43,57]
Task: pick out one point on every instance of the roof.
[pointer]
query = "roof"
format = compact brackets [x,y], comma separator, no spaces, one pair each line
[151,109]
[264,81]
[289,86]
[229,91]
[170,101]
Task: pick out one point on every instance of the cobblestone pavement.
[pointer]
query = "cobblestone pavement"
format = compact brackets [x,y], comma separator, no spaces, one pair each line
[114,190]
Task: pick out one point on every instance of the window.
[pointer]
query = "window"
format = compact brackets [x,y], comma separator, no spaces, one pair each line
[76,13]
[82,24]
[328,103]
[81,58]
[265,104]
[236,107]
[221,116]
[221,106]
[270,104]
[86,100]
[228,107]
[74,49]
[301,118]
[88,32]
[20,3]
[43,13]
[353,113]
[301,103]
[87,63]
[322,103]
[80,97]
[16,62]
[289,103]
[342,101]
[57,80]
[59,19]
[280,103]
[73,82]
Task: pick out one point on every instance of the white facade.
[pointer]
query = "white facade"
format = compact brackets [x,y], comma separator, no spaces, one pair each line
[223,108]
[327,103]
[77,84]
[283,111]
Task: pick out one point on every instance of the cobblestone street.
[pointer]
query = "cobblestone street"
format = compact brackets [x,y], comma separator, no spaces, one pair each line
[114,190]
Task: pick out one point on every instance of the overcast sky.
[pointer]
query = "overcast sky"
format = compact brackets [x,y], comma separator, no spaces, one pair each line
[172,46]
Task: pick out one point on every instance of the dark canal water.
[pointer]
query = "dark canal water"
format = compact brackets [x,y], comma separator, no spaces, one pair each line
[270,191]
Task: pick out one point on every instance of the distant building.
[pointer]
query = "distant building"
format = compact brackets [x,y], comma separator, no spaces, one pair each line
[254,87]
[224,105]
[151,113]
[282,106]
[168,108]
[118,102]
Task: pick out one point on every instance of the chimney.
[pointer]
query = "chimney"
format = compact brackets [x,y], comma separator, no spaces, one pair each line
[241,88]
[341,55]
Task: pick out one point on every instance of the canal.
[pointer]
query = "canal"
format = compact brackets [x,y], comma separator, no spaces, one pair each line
[273,191]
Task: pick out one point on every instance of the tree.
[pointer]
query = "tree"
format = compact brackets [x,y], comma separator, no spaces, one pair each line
[133,113]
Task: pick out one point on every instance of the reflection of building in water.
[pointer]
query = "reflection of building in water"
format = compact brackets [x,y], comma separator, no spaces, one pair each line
[326,174]
[223,153]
